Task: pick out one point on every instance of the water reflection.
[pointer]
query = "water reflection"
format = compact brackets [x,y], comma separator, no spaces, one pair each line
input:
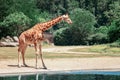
[62,77]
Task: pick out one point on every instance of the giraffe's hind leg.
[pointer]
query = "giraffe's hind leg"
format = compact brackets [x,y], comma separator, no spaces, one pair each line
[19,56]
[21,52]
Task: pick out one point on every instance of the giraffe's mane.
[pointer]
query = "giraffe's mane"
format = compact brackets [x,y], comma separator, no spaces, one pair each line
[52,19]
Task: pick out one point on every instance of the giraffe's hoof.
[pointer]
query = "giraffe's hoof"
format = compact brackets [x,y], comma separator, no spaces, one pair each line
[19,66]
[25,65]
[37,67]
[45,67]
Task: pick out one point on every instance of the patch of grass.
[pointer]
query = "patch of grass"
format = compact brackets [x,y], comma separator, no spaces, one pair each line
[8,52]
[99,50]
[105,50]
[11,53]
[70,55]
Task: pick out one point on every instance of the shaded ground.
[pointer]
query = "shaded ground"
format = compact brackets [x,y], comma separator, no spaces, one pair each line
[58,64]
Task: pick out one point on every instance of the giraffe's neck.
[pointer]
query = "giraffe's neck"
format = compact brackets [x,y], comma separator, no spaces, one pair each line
[45,26]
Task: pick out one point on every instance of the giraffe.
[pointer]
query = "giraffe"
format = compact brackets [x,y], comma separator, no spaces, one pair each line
[35,36]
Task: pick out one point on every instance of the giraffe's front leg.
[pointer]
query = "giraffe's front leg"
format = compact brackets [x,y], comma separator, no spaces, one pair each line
[36,54]
[36,61]
[40,52]
[19,54]
[43,64]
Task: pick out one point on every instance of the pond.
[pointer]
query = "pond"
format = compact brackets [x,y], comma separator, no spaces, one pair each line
[65,75]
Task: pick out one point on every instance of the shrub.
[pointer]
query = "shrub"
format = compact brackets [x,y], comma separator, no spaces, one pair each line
[62,36]
[114,31]
[14,23]
[102,29]
[98,38]
[116,43]
[76,33]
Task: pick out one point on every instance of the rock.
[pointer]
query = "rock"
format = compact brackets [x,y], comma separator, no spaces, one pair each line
[3,39]
[9,39]
[8,44]
[2,45]
[15,38]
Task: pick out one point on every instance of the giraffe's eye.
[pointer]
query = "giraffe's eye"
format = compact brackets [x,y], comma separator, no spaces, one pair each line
[65,18]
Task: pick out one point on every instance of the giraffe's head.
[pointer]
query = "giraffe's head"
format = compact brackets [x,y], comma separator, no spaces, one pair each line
[67,19]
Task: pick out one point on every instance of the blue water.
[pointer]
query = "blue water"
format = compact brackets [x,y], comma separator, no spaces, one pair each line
[96,72]
[65,75]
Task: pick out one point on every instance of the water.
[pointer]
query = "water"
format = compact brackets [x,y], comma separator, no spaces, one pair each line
[66,75]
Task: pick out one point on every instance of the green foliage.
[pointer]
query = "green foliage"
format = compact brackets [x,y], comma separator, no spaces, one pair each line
[116,43]
[83,25]
[63,36]
[3,9]
[14,23]
[77,33]
[114,11]
[29,8]
[106,12]
[114,31]
[99,36]
[102,29]
[57,6]
[42,17]
[83,19]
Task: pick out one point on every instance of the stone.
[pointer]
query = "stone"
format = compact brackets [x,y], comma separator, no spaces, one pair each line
[9,39]
[15,38]
[8,44]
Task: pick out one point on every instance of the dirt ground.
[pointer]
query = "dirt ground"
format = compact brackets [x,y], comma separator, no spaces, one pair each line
[60,64]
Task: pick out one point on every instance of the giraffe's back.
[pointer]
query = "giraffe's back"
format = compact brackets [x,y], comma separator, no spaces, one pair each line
[31,36]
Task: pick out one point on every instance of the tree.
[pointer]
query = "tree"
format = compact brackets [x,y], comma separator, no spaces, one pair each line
[77,33]
[114,31]
[63,36]
[29,8]
[83,25]
[113,13]
[99,36]
[4,7]
[14,23]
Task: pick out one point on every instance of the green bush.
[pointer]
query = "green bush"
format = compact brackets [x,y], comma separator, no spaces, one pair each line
[98,38]
[102,29]
[116,43]
[14,23]
[63,36]
[76,33]
[114,31]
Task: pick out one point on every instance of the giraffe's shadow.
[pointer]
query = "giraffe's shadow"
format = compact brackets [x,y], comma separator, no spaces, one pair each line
[21,66]
[13,65]
[27,67]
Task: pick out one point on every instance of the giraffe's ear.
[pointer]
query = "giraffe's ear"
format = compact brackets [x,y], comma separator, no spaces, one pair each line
[66,14]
